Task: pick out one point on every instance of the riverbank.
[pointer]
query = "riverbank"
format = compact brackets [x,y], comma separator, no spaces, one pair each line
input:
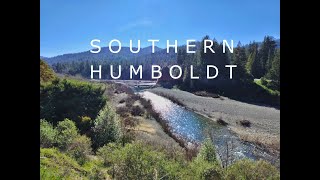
[264,129]
[147,130]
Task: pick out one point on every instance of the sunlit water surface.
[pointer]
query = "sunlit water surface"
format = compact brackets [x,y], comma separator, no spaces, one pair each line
[195,128]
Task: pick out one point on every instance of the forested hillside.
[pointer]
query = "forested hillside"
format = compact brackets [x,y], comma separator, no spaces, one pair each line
[105,55]
[255,59]
[82,136]
[259,61]
[253,62]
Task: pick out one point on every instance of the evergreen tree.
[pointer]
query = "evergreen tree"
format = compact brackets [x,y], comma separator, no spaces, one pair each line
[220,60]
[266,54]
[180,56]
[240,59]
[204,56]
[274,72]
[209,57]
[252,57]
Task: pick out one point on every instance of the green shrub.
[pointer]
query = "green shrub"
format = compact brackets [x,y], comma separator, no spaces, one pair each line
[66,133]
[85,124]
[49,173]
[274,85]
[80,148]
[46,73]
[56,165]
[106,152]
[255,170]
[72,99]
[202,169]
[207,151]
[47,134]
[134,161]
[106,127]
[264,81]
[98,174]
[205,165]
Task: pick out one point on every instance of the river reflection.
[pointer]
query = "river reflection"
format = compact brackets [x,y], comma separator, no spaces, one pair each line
[182,121]
[195,128]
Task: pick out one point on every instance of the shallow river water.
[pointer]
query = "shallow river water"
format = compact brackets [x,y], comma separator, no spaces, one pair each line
[192,127]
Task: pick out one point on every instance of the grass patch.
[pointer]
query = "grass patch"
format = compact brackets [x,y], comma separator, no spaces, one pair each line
[57,165]
[271,91]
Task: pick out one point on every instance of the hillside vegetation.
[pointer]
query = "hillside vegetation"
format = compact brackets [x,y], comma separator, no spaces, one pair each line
[82,136]
[46,73]
[254,61]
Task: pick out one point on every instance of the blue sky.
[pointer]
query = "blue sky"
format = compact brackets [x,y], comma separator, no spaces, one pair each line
[68,26]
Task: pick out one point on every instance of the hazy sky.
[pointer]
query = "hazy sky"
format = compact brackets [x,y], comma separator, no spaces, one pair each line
[68,26]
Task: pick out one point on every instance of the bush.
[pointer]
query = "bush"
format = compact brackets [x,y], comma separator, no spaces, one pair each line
[106,152]
[137,111]
[133,161]
[80,148]
[85,124]
[106,127]
[56,165]
[72,99]
[222,122]
[207,151]
[130,101]
[123,111]
[255,170]
[146,104]
[47,134]
[66,133]
[245,123]
[274,85]
[201,169]
[264,81]
[128,136]
[130,122]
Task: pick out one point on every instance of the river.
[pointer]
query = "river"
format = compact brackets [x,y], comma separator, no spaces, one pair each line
[195,128]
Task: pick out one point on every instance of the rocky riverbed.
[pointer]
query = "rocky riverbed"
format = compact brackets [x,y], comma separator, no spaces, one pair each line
[264,129]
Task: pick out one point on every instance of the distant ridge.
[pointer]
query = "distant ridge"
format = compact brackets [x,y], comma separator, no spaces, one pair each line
[123,55]
[259,43]
[106,55]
